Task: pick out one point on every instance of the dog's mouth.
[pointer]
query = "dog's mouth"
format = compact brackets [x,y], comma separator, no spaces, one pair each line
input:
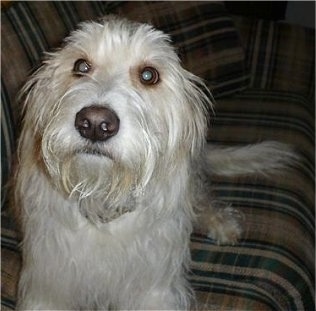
[95,151]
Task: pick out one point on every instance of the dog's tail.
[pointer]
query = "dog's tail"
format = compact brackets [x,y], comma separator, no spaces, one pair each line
[263,158]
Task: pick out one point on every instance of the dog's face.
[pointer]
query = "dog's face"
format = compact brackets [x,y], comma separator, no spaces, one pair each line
[114,107]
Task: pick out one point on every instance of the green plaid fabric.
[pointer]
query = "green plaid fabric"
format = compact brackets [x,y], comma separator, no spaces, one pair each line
[272,267]
[205,36]
[279,56]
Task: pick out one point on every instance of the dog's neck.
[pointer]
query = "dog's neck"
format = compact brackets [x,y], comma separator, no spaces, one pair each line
[98,212]
[115,214]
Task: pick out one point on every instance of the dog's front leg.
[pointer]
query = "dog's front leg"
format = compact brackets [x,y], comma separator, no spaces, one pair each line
[221,222]
[33,301]
[39,293]
[35,304]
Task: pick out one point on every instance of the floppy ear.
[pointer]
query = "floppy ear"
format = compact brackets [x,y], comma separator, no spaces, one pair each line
[200,107]
[45,87]
[35,94]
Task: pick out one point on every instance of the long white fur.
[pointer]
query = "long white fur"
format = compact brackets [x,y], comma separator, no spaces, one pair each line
[107,225]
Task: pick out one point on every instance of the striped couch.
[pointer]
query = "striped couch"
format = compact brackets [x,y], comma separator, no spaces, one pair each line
[262,76]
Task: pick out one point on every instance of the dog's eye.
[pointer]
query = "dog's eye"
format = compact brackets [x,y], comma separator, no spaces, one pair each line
[81,66]
[149,76]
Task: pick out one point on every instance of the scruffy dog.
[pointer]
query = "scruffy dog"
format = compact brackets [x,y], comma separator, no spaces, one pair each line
[110,175]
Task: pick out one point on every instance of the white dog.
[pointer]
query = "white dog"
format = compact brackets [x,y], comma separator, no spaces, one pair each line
[110,172]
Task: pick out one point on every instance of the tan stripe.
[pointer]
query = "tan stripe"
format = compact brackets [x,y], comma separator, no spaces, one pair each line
[245,286]
[257,273]
[265,253]
[210,301]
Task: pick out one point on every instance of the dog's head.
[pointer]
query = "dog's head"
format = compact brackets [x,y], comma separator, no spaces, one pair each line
[113,108]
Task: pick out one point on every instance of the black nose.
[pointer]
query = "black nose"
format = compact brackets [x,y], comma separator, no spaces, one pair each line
[97,123]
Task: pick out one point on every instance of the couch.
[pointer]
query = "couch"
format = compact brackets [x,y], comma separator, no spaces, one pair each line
[261,74]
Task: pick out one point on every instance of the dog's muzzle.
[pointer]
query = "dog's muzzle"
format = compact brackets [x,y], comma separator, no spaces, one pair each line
[97,123]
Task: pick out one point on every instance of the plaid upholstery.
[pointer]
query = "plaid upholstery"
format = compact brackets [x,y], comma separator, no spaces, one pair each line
[279,56]
[272,267]
[205,35]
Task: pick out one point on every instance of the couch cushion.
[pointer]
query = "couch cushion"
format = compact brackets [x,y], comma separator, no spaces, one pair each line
[272,267]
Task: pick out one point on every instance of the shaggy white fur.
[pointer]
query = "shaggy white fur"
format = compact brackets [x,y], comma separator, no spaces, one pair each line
[110,170]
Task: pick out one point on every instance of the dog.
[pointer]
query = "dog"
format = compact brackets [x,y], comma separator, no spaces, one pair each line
[113,171]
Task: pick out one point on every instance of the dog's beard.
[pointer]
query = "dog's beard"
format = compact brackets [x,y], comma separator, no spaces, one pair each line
[104,186]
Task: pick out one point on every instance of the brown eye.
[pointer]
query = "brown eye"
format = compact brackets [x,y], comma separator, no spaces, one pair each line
[81,66]
[149,76]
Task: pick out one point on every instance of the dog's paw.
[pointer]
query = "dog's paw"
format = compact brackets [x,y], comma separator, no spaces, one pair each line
[225,225]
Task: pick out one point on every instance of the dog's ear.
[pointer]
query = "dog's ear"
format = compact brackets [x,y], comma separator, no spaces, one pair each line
[41,92]
[200,107]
